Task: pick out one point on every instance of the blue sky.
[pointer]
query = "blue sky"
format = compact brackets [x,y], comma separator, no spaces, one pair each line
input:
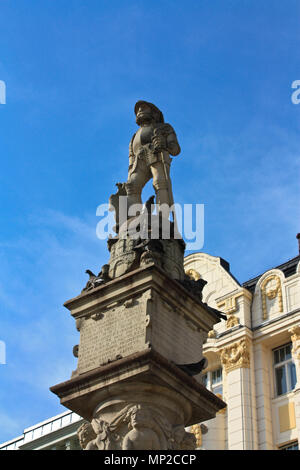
[220,71]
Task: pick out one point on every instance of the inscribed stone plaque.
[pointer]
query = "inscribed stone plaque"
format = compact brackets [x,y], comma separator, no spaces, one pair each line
[118,332]
[174,337]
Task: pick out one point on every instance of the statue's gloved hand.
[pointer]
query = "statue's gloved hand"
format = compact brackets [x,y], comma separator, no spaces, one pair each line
[159,142]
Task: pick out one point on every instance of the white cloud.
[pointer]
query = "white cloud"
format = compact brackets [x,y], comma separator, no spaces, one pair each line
[252,183]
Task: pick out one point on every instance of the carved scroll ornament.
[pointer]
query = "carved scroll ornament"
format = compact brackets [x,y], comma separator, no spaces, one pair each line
[272,293]
[236,355]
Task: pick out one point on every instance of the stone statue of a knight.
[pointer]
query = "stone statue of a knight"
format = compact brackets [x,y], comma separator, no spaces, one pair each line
[149,155]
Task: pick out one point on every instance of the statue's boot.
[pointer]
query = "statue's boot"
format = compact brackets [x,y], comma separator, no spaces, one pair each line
[133,199]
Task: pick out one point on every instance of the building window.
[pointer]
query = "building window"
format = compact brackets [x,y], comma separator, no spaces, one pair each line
[290,446]
[212,380]
[284,370]
[204,379]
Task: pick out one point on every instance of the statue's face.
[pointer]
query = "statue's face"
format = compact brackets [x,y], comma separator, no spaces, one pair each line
[144,114]
[85,434]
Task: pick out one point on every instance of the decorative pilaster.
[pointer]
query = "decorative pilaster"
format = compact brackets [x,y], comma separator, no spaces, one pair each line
[295,337]
[229,307]
[193,274]
[263,396]
[236,362]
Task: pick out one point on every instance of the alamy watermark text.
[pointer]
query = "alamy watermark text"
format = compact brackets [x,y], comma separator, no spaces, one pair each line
[2,352]
[188,222]
[296,94]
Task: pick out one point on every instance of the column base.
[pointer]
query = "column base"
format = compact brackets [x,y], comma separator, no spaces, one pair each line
[139,402]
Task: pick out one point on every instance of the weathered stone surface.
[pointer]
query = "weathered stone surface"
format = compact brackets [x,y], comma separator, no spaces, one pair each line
[140,316]
[133,331]
[134,426]
[128,254]
[113,333]
[130,313]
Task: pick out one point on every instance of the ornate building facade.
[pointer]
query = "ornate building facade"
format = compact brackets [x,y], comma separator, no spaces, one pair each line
[253,364]
[253,356]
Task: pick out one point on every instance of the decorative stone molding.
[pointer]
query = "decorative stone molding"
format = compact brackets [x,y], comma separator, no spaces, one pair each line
[229,306]
[223,410]
[135,427]
[236,355]
[211,334]
[271,293]
[199,430]
[193,274]
[295,331]
[295,337]
[196,430]
[232,321]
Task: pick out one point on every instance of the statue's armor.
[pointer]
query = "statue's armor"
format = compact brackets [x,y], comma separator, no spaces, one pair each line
[142,137]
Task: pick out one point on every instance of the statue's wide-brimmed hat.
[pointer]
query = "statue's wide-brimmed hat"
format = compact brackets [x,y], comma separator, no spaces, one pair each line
[155,108]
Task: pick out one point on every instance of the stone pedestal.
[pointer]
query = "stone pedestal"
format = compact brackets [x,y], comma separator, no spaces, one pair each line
[133,331]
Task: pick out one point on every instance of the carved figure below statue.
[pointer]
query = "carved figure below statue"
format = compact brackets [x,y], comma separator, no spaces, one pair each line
[142,434]
[135,427]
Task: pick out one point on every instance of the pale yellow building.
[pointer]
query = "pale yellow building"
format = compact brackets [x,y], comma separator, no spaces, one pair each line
[253,356]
